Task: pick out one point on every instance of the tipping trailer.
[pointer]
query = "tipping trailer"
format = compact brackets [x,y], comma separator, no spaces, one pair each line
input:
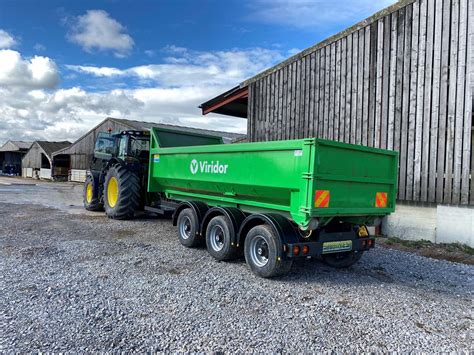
[272,201]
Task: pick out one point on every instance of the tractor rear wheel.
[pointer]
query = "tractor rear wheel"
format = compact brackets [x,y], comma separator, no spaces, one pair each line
[121,193]
[90,195]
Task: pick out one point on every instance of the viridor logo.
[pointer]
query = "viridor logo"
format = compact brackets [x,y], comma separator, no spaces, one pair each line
[194,166]
[207,168]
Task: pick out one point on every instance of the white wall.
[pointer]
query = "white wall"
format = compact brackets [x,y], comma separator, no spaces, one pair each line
[438,224]
[455,224]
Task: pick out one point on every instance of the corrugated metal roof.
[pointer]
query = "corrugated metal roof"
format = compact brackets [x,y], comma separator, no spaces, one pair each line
[51,147]
[15,146]
[140,125]
[148,125]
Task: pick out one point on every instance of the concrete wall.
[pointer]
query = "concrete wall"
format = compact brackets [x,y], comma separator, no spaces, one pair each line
[436,223]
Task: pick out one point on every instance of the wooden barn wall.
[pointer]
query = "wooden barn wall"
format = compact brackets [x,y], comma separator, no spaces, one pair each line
[82,150]
[32,159]
[403,82]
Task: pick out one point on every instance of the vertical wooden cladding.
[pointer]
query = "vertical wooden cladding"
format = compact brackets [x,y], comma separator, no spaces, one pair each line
[402,82]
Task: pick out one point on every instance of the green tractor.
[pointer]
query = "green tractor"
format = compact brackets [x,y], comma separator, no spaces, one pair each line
[118,174]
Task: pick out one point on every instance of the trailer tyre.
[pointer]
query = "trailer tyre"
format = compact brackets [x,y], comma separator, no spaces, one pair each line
[90,195]
[188,229]
[342,260]
[121,193]
[261,252]
[218,239]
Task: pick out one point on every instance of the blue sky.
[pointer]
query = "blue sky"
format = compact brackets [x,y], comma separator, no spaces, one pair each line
[66,65]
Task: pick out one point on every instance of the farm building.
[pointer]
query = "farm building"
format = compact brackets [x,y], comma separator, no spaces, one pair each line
[79,155]
[11,154]
[38,161]
[403,80]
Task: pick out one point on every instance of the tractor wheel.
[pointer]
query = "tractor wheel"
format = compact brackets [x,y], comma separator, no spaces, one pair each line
[342,260]
[121,193]
[91,198]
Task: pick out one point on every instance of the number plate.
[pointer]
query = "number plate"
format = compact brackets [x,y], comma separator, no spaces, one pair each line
[336,247]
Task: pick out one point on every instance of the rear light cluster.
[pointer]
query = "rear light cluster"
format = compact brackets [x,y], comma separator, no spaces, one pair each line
[367,243]
[297,250]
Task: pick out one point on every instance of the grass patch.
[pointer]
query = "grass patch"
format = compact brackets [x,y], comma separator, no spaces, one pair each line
[416,244]
[456,252]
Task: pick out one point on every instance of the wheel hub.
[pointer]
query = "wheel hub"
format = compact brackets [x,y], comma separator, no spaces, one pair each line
[185,228]
[217,238]
[259,251]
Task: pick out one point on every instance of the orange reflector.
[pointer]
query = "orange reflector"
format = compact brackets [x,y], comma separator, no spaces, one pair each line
[381,199]
[296,250]
[321,199]
[305,249]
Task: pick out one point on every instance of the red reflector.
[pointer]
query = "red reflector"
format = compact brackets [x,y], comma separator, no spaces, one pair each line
[305,249]
[364,243]
[296,250]
[381,199]
[321,199]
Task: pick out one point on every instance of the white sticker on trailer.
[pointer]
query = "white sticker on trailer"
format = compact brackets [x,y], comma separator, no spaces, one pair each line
[298,153]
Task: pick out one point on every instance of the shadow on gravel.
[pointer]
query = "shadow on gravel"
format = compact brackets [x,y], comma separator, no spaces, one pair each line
[372,270]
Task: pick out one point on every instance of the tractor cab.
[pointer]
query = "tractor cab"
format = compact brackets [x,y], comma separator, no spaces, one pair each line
[128,146]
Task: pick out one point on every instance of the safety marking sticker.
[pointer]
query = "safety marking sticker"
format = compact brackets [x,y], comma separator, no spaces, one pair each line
[156,158]
[321,199]
[381,199]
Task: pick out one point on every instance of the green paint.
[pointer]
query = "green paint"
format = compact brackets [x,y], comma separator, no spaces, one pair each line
[280,176]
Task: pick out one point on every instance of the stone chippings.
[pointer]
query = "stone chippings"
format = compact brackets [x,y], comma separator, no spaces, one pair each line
[86,283]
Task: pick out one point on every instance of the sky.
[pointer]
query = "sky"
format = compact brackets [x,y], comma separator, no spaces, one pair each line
[67,65]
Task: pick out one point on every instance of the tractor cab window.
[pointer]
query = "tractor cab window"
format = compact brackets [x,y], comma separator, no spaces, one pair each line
[139,147]
[105,146]
[123,147]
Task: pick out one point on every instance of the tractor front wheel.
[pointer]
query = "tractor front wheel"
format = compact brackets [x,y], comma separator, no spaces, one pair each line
[90,195]
[121,193]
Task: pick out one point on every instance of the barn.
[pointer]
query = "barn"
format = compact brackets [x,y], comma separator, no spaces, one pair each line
[11,154]
[77,157]
[403,80]
[38,161]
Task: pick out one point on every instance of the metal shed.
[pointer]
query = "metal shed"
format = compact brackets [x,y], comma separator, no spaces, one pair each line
[402,79]
[38,161]
[11,154]
[78,156]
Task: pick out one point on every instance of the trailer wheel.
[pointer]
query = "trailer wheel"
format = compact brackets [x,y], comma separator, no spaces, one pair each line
[121,193]
[261,252]
[188,229]
[342,260]
[218,239]
[90,195]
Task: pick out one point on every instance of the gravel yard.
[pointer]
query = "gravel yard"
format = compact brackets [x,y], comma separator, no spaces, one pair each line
[75,281]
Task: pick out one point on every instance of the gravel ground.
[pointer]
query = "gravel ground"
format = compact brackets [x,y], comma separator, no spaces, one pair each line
[80,282]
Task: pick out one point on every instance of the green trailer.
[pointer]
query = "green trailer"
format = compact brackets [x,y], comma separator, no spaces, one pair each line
[272,201]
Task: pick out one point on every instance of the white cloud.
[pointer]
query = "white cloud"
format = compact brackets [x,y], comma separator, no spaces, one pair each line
[97,71]
[96,30]
[39,47]
[6,39]
[314,13]
[167,92]
[37,72]
[191,68]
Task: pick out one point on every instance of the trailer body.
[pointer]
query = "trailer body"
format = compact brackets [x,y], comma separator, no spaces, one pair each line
[306,180]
